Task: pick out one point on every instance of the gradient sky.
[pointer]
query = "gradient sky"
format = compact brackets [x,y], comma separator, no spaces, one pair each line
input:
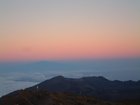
[69,29]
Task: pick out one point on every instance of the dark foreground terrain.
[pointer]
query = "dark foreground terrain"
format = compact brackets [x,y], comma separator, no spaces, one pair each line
[26,97]
[67,91]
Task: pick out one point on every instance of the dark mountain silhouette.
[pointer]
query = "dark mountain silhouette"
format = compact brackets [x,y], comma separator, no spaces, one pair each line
[68,91]
[28,97]
[99,87]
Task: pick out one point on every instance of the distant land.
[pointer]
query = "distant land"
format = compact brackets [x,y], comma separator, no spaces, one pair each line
[20,75]
[95,90]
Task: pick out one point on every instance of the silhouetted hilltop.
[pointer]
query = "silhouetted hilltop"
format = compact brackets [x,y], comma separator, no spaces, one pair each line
[99,87]
[80,91]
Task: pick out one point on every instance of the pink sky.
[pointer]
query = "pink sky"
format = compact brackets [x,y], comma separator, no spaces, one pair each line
[69,30]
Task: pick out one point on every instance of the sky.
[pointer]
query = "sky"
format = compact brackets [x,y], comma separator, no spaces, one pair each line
[33,30]
[40,39]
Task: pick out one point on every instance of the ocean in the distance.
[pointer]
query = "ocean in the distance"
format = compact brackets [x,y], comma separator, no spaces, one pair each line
[20,75]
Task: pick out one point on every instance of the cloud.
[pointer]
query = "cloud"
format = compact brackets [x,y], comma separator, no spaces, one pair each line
[10,82]
[31,77]
[7,86]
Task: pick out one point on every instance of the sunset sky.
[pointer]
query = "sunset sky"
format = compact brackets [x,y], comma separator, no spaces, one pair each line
[69,29]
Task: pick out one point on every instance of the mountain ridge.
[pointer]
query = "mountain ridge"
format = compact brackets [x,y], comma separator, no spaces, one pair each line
[93,86]
[77,91]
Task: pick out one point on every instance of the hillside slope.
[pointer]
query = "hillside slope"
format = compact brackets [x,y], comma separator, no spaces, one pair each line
[99,87]
[68,91]
[26,97]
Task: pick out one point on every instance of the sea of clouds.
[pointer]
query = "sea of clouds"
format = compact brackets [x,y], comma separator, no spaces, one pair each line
[22,76]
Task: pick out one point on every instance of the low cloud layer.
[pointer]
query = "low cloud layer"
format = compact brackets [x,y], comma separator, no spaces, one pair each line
[19,76]
[14,81]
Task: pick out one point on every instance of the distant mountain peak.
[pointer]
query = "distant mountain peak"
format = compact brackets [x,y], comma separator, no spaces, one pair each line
[96,78]
[59,77]
[60,88]
[101,77]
